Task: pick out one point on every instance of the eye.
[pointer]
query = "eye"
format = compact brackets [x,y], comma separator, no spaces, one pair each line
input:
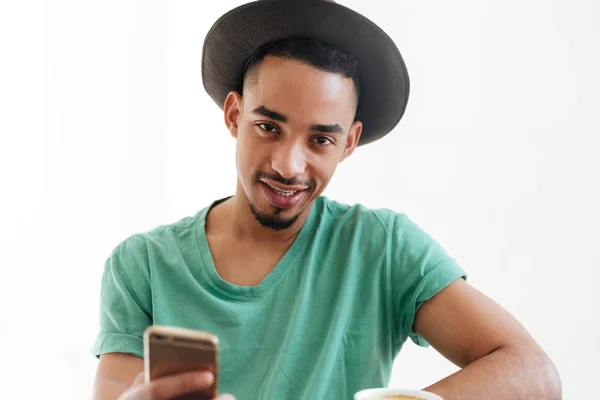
[322,140]
[267,127]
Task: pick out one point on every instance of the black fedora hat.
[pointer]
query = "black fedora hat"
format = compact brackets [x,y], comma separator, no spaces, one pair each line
[233,39]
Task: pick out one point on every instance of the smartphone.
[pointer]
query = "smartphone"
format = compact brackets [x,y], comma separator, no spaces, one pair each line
[171,350]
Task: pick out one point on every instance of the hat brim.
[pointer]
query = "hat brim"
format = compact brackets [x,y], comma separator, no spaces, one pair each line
[384,82]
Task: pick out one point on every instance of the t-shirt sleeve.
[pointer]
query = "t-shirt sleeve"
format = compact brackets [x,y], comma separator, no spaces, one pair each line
[421,268]
[125,300]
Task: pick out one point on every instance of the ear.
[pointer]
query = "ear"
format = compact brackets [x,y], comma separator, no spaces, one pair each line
[232,111]
[352,139]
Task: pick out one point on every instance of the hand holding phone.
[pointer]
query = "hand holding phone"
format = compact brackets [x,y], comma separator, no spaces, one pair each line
[171,387]
[178,364]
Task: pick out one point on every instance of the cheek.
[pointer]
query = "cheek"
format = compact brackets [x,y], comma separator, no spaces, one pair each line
[241,157]
[325,169]
[247,156]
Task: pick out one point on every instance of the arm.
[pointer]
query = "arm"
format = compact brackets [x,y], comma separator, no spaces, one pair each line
[115,374]
[498,357]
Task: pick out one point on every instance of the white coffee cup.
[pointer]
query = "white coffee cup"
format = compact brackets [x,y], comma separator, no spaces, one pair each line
[387,393]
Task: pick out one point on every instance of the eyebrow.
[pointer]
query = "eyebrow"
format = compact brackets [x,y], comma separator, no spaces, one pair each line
[276,116]
[335,128]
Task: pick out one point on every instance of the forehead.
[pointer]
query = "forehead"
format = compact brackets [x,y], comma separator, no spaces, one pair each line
[301,90]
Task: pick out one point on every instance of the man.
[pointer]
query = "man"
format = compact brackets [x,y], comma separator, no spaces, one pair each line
[311,299]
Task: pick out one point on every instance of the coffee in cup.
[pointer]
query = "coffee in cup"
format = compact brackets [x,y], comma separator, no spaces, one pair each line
[395,394]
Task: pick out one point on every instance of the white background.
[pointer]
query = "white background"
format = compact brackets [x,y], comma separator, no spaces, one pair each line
[106,131]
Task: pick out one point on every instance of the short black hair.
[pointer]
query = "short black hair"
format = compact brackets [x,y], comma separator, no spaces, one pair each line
[312,52]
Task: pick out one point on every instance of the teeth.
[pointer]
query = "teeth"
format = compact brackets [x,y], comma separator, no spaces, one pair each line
[284,193]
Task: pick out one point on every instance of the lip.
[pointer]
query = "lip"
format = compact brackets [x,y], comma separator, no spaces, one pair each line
[283,187]
[280,201]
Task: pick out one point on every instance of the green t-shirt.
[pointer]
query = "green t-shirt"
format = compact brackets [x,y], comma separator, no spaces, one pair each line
[326,322]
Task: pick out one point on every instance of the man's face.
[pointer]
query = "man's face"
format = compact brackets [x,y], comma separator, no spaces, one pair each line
[294,125]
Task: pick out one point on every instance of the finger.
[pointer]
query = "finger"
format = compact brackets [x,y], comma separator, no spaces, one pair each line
[172,386]
[139,379]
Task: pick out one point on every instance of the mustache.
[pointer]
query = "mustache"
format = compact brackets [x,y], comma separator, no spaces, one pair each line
[310,184]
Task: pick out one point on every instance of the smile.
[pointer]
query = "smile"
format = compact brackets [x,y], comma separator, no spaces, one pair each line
[283,198]
[285,193]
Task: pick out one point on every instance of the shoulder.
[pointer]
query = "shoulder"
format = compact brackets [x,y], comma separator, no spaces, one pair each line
[378,222]
[377,226]
[358,214]
[140,246]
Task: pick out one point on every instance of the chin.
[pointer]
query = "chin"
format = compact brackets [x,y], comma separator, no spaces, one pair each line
[274,218]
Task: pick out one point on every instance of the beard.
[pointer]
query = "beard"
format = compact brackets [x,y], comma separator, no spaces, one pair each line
[273,221]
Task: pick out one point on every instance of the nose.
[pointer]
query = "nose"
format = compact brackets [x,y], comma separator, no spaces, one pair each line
[289,160]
